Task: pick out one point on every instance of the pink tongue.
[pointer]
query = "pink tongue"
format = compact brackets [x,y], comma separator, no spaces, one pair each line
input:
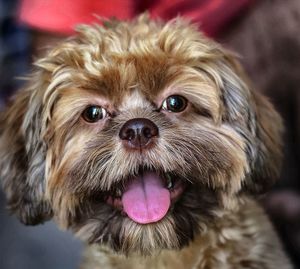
[146,200]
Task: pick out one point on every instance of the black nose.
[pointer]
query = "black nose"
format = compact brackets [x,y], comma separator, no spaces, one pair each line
[138,133]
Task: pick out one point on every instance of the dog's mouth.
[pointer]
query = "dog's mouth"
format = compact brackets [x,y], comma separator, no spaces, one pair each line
[147,197]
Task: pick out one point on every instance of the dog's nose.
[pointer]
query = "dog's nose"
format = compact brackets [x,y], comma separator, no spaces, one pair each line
[138,133]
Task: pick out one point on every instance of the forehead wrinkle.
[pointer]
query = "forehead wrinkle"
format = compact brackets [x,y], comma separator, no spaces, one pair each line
[134,100]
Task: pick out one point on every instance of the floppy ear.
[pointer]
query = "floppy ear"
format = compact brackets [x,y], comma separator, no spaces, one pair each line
[22,155]
[269,130]
[256,120]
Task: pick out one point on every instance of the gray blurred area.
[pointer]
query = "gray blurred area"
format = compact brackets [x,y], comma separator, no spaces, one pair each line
[35,247]
[26,247]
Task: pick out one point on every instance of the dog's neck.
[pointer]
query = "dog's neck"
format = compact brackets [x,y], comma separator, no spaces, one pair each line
[99,257]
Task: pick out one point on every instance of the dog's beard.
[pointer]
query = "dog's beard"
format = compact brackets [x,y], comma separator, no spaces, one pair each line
[98,222]
[200,168]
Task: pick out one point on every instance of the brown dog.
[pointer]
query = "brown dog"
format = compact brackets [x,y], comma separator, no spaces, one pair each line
[147,142]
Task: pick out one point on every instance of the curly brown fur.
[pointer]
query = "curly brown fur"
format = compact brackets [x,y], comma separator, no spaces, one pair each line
[224,147]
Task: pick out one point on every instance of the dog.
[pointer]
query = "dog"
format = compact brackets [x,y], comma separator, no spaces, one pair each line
[148,142]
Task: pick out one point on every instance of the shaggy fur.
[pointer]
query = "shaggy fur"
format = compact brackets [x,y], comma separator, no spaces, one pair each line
[225,148]
[273,27]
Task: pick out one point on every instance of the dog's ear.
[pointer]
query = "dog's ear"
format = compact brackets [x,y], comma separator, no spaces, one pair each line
[269,129]
[22,155]
[258,123]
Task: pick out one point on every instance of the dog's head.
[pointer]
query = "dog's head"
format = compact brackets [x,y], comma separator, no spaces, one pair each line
[133,134]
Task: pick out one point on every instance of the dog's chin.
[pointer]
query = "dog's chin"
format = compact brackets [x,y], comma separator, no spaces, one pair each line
[146,213]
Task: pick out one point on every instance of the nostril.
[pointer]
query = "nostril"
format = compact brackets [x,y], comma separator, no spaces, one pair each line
[130,134]
[146,132]
[150,131]
[127,134]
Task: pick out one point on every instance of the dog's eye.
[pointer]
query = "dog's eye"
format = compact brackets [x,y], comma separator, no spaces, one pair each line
[174,103]
[94,113]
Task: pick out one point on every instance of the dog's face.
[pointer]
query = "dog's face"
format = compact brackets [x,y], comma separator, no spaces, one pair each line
[134,134]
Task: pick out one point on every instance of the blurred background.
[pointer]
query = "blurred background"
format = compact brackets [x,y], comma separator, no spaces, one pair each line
[266,35]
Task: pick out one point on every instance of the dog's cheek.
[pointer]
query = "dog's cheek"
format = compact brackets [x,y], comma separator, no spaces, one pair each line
[64,153]
[229,164]
[218,159]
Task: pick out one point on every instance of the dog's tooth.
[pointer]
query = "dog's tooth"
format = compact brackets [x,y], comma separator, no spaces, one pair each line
[169,182]
[118,193]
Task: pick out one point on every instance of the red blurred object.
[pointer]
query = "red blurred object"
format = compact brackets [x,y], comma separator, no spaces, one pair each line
[60,16]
